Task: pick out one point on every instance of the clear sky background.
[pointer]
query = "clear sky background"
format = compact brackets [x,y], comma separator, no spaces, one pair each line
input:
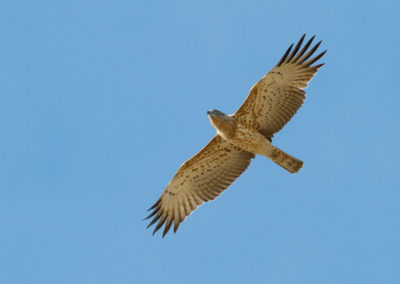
[102,101]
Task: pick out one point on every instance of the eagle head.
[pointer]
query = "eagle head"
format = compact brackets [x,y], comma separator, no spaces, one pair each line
[225,124]
[215,113]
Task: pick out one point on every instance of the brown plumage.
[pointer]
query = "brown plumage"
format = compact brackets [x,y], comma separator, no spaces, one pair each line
[272,102]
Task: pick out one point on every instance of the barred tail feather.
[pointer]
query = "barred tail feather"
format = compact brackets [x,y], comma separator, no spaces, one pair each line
[285,160]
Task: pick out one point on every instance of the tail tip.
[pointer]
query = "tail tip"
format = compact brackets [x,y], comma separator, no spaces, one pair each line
[297,167]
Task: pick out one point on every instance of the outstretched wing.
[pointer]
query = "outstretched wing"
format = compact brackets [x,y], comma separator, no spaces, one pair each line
[202,178]
[275,99]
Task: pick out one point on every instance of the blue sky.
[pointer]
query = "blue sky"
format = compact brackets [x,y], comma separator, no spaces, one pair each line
[102,101]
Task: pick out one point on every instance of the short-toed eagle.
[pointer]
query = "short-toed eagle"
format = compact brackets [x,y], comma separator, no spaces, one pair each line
[272,102]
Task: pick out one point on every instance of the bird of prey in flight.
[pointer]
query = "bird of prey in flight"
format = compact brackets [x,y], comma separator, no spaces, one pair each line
[272,102]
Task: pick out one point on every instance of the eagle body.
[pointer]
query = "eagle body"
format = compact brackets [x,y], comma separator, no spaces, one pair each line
[248,138]
[271,103]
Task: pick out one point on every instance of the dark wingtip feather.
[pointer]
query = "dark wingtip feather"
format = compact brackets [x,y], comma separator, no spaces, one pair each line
[167,227]
[318,66]
[296,49]
[159,224]
[176,226]
[152,213]
[155,219]
[304,49]
[155,205]
[310,53]
[313,60]
[285,55]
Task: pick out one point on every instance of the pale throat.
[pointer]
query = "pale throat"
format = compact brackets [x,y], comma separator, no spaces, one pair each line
[225,125]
